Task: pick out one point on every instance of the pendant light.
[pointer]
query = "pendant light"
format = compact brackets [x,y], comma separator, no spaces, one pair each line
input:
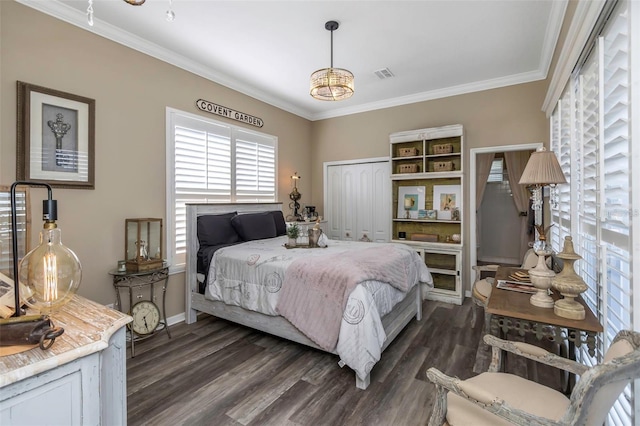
[331,84]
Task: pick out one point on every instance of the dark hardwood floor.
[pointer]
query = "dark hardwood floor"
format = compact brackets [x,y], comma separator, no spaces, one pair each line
[214,372]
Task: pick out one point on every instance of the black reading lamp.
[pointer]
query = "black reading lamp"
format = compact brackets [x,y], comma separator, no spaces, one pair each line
[49,276]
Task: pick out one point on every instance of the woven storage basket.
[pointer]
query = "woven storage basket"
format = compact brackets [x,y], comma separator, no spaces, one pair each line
[445,148]
[443,166]
[408,168]
[407,152]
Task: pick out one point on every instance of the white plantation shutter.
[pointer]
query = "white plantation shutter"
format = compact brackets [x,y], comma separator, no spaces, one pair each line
[255,167]
[213,162]
[590,133]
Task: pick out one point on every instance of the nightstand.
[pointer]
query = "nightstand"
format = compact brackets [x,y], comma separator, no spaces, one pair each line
[130,281]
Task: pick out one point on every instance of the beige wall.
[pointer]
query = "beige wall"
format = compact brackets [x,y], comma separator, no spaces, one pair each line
[132,91]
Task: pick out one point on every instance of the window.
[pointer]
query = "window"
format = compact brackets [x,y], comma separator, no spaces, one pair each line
[497,172]
[213,162]
[591,134]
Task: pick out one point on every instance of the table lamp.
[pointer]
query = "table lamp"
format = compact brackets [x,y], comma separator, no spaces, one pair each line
[50,275]
[541,170]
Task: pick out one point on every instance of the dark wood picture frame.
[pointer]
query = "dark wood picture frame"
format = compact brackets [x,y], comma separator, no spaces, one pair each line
[56,137]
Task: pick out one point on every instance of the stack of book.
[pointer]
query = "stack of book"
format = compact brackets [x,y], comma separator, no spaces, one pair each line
[517,281]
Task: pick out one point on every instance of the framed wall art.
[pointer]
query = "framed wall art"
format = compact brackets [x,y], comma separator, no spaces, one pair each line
[410,201]
[446,198]
[56,137]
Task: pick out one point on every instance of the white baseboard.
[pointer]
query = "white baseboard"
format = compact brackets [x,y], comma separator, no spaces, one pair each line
[176,319]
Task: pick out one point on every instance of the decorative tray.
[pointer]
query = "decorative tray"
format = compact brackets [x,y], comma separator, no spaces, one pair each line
[304,246]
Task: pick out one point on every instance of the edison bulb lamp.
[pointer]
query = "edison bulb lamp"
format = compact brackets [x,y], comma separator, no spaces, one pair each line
[51,272]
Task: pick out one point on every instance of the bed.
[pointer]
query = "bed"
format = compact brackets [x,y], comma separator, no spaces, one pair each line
[263,297]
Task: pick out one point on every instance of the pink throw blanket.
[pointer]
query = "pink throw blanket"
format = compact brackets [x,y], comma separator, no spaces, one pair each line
[315,290]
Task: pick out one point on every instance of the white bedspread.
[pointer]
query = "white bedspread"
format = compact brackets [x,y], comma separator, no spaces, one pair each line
[250,275]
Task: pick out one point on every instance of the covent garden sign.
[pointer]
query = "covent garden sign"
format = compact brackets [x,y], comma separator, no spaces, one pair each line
[223,111]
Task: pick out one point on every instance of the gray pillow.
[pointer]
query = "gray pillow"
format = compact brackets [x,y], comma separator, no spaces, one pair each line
[255,226]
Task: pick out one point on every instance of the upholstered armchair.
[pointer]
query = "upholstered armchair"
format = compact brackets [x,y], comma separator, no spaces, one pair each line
[495,398]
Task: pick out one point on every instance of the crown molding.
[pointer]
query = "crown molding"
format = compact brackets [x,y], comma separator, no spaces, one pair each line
[462,89]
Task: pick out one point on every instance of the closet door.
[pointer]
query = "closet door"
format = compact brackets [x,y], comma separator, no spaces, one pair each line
[381,202]
[358,201]
[333,209]
[349,201]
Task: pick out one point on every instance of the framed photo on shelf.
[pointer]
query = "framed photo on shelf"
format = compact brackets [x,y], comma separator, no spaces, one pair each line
[446,198]
[410,201]
[431,215]
[56,137]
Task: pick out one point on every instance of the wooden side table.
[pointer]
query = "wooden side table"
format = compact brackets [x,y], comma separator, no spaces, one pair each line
[137,280]
[511,310]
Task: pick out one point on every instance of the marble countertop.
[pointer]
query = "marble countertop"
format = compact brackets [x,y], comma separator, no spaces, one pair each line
[88,326]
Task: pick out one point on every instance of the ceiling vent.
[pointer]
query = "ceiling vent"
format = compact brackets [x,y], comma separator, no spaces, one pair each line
[383,73]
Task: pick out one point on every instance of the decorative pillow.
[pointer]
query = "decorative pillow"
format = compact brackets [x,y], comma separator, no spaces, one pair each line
[255,226]
[216,229]
[281,225]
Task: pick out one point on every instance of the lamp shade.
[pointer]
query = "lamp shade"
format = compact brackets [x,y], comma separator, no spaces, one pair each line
[332,84]
[542,169]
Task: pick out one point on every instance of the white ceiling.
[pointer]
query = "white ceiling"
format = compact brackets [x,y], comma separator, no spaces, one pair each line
[268,49]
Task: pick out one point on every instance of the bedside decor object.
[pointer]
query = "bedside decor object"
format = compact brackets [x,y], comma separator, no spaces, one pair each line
[50,275]
[569,284]
[541,170]
[332,84]
[143,244]
[456,238]
[293,232]
[56,137]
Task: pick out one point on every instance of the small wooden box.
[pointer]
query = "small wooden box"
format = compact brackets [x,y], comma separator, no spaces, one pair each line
[445,148]
[407,152]
[408,168]
[429,238]
[442,166]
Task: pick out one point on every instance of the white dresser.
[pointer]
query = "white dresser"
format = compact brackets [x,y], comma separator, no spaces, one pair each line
[80,380]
